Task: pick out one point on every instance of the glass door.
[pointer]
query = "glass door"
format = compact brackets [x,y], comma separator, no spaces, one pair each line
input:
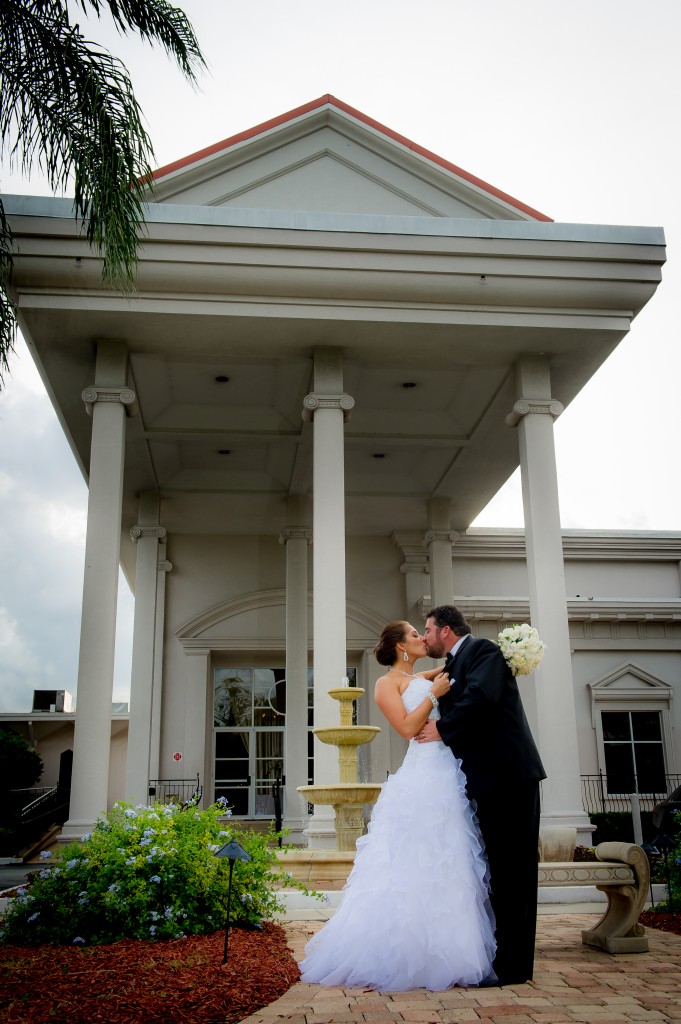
[249,715]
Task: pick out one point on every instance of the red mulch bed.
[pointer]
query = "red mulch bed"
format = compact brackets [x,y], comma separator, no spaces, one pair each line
[182,981]
[662,919]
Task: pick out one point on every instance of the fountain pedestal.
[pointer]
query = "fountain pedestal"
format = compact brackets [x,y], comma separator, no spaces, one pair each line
[348,797]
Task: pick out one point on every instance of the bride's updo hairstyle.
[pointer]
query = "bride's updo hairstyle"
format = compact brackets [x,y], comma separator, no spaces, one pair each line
[386,648]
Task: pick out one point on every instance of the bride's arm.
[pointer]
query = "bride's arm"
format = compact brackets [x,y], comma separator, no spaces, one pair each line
[389,700]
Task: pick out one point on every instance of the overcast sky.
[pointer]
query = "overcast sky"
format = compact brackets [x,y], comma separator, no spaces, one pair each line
[571,106]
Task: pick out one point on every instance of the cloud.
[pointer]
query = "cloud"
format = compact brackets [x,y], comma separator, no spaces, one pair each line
[43,509]
[18,662]
[599,146]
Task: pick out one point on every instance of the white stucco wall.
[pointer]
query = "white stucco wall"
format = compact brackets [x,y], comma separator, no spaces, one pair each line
[211,571]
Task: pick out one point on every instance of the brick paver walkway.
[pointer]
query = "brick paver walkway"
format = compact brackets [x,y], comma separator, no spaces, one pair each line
[571,983]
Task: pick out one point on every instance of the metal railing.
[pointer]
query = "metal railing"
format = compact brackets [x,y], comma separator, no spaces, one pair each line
[176,791]
[33,812]
[603,794]
[47,797]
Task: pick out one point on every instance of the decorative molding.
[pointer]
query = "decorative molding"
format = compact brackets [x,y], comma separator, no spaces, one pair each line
[315,401]
[295,533]
[165,566]
[447,535]
[533,406]
[159,532]
[371,623]
[422,566]
[621,610]
[410,545]
[648,693]
[578,545]
[589,610]
[585,874]
[93,394]
[647,686]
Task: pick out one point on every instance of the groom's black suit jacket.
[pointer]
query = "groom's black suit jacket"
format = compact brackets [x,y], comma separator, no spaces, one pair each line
[483,721]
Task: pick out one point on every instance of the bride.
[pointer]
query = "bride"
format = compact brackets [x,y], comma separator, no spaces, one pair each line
[415,911]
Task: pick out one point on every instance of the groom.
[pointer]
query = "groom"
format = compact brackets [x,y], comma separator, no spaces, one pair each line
[483,723]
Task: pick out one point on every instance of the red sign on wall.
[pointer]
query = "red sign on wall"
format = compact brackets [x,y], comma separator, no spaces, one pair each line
[177,756]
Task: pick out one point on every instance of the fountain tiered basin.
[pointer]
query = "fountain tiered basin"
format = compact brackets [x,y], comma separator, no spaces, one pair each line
[347,797]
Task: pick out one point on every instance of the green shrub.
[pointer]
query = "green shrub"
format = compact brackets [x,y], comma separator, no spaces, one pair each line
[20,765]
[147,872]
[7,841]
[20,768]
[618,826]
[669,872]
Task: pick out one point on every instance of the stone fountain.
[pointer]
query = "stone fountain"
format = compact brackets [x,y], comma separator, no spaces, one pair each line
[349,796]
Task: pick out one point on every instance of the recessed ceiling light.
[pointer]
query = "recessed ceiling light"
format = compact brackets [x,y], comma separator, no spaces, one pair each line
[378,455]
[221,380]
[409,384]
[224,451]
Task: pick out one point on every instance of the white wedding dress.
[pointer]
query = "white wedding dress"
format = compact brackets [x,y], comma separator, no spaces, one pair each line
[415,911]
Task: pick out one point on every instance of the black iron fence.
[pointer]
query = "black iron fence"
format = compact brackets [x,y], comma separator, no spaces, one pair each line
[606,794]
[176,791]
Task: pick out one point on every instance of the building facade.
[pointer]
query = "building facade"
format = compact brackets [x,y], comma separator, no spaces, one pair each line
[340,347]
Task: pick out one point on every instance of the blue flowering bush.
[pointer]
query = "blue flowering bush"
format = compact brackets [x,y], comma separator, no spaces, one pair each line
[669,871]
[147,872]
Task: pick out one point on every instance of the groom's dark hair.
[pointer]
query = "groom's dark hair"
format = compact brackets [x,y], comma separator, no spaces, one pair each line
[449,615]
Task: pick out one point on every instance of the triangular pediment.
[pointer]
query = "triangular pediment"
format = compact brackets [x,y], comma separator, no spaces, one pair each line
[327,157]
[629,678]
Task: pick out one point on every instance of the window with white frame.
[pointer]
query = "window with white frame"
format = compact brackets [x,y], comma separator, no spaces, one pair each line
[632,721]
[634,751]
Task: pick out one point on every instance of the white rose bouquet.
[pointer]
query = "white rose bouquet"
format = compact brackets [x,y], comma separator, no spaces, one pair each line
[522,648]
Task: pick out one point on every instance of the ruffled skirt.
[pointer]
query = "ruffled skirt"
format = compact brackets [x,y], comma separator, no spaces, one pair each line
[415,911]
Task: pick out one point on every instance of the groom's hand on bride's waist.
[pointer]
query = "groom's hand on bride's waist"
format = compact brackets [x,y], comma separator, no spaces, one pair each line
[427,733]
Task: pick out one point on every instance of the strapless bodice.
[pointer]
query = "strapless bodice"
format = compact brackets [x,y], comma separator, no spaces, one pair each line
[414,694]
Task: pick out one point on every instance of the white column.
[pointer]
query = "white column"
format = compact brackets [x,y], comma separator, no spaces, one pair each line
[329,407]
[164,567]
[106,401]
[198,696]
[296,539]
[439,539]
[146,536]
[533,414]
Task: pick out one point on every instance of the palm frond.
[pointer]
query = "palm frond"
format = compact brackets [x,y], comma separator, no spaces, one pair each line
[8,317]
[67,106]
[156,21]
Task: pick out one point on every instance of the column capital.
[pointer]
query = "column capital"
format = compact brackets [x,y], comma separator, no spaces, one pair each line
[409,543]
[165,566]
[315,401]
[423,566]
[126,396]
[159,532]
[533,406]
[432,535]
[295,533]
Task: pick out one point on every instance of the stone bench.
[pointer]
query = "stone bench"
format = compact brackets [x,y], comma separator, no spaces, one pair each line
[621,872]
